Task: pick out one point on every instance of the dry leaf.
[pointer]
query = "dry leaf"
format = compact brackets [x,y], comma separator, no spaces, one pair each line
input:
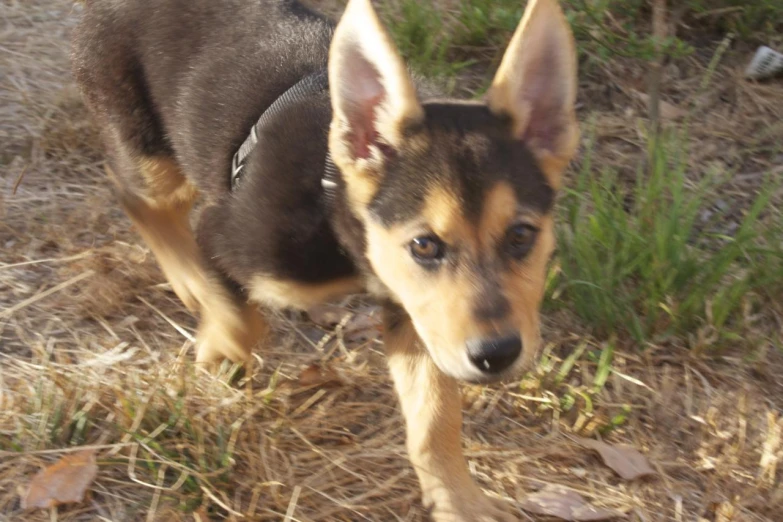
[201,514]
[327,315]
[66,481]
[317,375]
[725,512]
[624,460]
[358,326]
[771,450]
[666,110]
[560,502]
[365,325]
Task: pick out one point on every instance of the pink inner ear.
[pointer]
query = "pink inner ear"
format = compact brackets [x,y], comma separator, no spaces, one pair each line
[545,95]
[362,93]
[364,134]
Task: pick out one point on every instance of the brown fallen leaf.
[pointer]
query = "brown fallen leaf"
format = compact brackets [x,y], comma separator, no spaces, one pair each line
[358,326]
[201,514]
[327,315]
[667,111]
[560,502]
[365,325]
[64,482]
[317,375]
[623,460]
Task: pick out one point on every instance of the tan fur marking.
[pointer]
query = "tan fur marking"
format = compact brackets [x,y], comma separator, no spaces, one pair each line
[499,211]
[553,166]
[228,329]
[444,215]
[165,183]
[438,302]
[524,288]
[161,216]
[431,406]
[292,294]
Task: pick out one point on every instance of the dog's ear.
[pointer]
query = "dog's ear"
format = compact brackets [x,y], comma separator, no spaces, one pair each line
[373,98]
[536,86]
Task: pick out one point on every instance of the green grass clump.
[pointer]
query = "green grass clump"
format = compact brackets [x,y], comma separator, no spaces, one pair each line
[486,24]
[441,42]
[759,19]
[419,31]
[639,258]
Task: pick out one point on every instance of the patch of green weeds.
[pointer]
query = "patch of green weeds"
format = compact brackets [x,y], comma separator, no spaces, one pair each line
[760,19]
[606,29]
[419,31]
[570,389]
[486,24]
[641,259]
[441,43]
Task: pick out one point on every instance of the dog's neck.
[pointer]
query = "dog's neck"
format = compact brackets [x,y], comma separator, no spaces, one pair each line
[311,84]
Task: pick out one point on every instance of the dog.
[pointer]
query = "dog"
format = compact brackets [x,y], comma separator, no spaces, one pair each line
[325,168]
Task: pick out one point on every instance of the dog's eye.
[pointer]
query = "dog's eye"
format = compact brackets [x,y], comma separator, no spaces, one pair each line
[519,239]
[427,249]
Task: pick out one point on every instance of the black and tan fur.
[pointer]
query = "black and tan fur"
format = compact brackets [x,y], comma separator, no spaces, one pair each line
[176,85]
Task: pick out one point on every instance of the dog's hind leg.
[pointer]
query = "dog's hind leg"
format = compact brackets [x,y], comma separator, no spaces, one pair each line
[160,209]
[150,184]
[431,406]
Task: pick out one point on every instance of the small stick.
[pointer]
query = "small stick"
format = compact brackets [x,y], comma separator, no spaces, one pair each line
[289,514]
[656,71]
[46,293]
[166,318]
[19,180]
[47,260]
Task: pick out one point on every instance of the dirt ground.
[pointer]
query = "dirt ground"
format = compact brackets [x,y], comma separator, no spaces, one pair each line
[95,351]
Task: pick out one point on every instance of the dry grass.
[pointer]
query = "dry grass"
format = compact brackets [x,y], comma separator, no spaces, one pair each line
[95,351]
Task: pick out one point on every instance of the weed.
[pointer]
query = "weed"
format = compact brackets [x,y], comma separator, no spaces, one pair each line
[572,389]
[485,24]
[443,43]
[642,260]
[761,19]
[418,29]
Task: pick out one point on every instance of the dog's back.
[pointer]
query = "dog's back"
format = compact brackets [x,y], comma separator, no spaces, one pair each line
[188,78]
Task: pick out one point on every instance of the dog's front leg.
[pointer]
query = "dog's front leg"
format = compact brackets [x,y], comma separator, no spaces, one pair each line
[431,406]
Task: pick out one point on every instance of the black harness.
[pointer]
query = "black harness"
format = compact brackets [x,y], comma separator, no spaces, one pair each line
[309,85]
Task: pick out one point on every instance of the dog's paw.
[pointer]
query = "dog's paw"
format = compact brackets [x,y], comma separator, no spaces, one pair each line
[222,338]
[471,506]
[228,332]
[215,342]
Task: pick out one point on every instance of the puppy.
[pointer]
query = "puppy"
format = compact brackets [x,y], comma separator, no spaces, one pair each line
[324,169]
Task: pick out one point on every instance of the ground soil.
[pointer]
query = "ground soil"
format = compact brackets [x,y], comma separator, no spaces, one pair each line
[95,349]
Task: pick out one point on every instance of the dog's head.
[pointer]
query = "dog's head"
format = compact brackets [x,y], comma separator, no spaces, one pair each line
[456,197]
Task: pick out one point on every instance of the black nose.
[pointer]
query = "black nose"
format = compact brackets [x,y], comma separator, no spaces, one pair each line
[494,355]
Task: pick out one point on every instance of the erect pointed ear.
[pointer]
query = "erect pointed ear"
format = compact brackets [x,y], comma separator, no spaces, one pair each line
[536,86]
[373,97]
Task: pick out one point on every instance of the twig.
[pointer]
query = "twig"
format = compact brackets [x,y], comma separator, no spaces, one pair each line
[46,293]
[166,318]
[19,180]
[659,31]
[289,514]
[57,451]
[47,260]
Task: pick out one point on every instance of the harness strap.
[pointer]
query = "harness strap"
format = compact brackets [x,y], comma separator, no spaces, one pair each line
[307,86]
